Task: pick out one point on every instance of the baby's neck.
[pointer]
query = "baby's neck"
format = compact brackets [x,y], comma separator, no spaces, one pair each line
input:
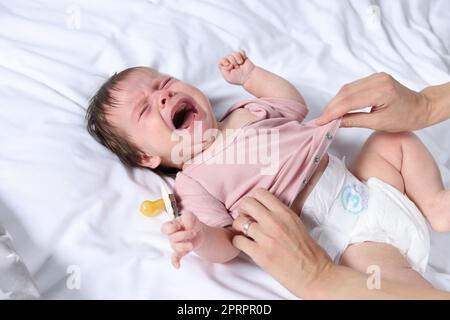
[229,126]
[208,147]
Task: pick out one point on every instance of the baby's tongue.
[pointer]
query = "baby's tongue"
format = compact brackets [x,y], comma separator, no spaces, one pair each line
[188,119]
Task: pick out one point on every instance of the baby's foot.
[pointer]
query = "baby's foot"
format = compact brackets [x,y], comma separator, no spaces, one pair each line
[438,212]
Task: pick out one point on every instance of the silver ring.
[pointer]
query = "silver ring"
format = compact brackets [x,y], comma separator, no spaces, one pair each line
[247,226]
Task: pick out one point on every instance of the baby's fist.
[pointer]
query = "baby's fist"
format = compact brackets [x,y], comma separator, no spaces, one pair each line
[236,67]
[185,235]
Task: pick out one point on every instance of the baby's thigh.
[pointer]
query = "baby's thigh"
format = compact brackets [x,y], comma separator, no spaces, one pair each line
[380,157]
[384,258]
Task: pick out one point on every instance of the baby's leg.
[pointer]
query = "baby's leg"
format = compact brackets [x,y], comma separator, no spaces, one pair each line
[402,160]
[392,265]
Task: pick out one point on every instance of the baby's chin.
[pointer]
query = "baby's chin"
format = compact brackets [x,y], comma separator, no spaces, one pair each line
[197,133]
[200,124]
[191,143]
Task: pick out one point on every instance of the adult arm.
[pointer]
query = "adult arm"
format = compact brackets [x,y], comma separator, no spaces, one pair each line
[279,243]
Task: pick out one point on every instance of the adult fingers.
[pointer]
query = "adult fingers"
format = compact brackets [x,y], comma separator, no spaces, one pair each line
[339,104]
[254,230]
[247,246]
[362,120]
[271,214]
[268,200]
[252,208]
[344,103]
[361,84]
[285,223]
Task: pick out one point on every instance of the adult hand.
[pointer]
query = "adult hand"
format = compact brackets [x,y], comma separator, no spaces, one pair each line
[279,243]
[395,108]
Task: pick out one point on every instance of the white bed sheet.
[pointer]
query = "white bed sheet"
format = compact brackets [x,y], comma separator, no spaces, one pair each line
[70,205]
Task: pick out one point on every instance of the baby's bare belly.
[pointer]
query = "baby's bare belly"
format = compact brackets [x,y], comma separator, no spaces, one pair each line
[300,199]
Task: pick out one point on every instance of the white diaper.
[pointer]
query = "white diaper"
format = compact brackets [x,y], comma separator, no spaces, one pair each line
[341,210]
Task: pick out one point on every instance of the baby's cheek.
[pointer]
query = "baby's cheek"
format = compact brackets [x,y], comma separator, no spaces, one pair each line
[153,140]
[206,106]
[170,144]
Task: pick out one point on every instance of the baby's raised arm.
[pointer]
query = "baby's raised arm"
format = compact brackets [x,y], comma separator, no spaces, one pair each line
[237,69]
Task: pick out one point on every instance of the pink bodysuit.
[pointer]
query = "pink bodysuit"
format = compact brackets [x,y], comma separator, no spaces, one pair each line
[212,188]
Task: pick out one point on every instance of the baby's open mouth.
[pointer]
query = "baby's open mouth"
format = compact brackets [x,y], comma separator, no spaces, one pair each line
[184,116]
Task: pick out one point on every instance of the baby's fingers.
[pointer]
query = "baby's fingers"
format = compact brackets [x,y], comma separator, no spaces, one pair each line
[176,260]
[170,227]
[183,236]
[224,62]
[228,67]
[189,220]
[233,60]
[182,248]
[238,57]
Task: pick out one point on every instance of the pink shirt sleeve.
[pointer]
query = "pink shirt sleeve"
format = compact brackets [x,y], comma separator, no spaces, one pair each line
[191,196]
[268,107]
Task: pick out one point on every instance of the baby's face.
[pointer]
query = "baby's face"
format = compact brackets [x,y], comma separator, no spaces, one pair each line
[152,107]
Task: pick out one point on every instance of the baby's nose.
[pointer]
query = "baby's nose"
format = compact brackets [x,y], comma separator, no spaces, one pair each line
[164,98]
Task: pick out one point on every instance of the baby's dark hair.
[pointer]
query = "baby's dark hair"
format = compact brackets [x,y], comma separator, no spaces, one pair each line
[102,130]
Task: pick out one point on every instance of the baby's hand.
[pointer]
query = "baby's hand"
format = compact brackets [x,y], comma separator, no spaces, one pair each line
[236,67]
[185,233]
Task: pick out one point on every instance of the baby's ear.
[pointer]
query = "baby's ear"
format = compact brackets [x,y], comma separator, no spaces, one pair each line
[148,161]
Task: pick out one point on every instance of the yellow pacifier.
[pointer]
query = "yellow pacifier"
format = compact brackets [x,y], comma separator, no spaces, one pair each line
[152,208]
[167,203]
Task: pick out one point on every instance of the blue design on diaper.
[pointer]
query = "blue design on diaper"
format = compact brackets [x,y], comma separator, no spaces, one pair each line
[354,198]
